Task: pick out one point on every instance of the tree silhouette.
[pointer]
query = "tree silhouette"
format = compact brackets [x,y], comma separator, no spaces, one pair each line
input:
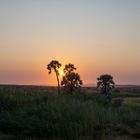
[105,83]
[71,80]
[55,65]
[69,68]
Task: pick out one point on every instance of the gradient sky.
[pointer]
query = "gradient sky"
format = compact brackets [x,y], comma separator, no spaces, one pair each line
[98,36]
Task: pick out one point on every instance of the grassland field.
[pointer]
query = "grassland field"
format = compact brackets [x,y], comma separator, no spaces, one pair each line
[38,113]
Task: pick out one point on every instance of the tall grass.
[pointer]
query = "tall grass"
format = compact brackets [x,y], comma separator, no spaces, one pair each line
[68,117]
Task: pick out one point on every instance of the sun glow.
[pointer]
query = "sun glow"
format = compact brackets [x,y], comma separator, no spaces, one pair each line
[61,72]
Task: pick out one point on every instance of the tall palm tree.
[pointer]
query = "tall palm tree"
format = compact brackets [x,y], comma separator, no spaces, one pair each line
[54,65]
[106,83]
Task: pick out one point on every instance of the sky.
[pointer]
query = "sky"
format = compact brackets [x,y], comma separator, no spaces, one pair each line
[97,36]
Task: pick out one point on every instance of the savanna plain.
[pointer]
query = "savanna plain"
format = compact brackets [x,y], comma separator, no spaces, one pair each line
[39,113]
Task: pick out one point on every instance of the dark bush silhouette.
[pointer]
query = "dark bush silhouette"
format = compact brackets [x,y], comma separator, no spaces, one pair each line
[106,84]
[55,65]
[71,80]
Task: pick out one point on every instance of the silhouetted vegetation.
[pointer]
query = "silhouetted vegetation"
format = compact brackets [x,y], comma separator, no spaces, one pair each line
[71,80]
[55,65]
[85,116]
[69,68]
[106,84]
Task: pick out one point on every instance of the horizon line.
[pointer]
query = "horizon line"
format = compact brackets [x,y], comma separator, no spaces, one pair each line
[85,85]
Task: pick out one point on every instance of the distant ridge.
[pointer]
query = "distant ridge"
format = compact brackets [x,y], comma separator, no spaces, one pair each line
[85,85]
[128,85]
[118,85]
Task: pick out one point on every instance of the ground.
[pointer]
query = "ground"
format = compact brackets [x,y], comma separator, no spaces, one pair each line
[34,113]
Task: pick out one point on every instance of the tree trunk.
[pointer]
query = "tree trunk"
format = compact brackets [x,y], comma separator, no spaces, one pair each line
[105,90]
[58,82]
[71,88]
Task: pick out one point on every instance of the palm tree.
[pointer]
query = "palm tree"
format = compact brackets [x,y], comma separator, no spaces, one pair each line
[55,65]
[69,68]
[71,81]
[106,83]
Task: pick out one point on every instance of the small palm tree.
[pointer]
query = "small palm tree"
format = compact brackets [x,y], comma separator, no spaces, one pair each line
[71,81]
[55,65]
[69,68]
[106,83]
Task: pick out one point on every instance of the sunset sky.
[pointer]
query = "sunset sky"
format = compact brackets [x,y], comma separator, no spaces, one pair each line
[98,36]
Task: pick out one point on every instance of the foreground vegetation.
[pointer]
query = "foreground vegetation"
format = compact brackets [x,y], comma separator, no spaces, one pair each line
[82,116]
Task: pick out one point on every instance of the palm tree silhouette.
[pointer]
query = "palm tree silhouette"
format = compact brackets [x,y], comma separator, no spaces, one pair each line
[55,65]
[71,80]
[69,68]
[106,83]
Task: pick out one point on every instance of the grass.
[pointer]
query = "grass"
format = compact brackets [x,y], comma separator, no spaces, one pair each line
[83,116]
